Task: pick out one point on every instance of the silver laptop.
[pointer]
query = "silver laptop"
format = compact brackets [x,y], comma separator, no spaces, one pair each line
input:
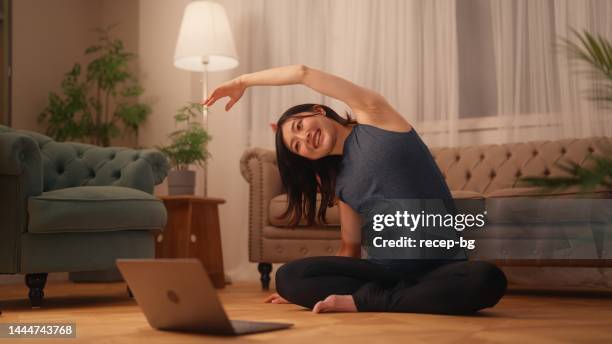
[176,294]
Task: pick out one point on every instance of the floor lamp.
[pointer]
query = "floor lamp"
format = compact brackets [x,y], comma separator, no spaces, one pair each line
[205,44]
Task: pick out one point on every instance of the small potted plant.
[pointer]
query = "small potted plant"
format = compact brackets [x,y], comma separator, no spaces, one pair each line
[188,146]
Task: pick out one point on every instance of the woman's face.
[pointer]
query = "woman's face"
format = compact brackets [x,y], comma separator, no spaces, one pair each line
[309,134]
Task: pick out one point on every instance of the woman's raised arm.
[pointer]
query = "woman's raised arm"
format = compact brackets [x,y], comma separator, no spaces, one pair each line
[369,106]
[355,96]
[287,75]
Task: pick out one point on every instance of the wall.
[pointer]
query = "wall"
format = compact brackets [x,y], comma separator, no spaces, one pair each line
[49,37]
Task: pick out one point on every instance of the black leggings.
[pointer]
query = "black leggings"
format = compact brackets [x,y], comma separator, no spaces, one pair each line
[413,286]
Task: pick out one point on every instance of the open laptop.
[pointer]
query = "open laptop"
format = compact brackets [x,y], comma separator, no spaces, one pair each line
[177,294]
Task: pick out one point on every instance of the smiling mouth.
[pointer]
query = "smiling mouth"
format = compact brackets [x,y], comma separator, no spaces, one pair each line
[317,138]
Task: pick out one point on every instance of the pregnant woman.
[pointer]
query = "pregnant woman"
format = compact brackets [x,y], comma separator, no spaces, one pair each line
[379,155]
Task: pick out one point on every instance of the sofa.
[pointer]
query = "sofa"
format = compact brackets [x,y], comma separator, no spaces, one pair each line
[69,207]
[536,236]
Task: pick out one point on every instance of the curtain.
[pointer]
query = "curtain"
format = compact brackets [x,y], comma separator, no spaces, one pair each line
[405,50]
[408,51]
[539,87]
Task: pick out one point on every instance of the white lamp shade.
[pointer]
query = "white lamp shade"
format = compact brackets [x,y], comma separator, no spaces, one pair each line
[205,34]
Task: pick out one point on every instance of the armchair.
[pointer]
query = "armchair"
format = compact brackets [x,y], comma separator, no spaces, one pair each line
[67,206]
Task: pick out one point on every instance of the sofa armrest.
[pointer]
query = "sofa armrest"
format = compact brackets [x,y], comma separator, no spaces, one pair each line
[259,169]
[20,156]
[20,178]
[150,169]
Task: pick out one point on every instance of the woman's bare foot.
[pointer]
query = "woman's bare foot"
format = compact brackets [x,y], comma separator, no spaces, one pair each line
[336,303]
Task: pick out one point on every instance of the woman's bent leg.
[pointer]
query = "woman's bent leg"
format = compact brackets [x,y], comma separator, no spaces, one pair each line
[309,280]
[454,288]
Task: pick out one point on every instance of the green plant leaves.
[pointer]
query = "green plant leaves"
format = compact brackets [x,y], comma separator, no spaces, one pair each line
[596,51]
[132,115]
[83,110]
[586,178]
[188,144]
[66,114]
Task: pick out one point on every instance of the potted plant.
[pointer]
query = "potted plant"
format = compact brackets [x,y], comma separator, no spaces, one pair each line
[188,146]
[99,100]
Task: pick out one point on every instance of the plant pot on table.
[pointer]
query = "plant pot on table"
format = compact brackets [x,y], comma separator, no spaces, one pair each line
[181,182]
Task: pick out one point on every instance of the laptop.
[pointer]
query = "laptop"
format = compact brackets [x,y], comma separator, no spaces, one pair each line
[177,294]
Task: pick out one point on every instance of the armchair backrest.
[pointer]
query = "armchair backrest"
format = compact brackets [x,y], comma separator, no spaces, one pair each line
[71,164]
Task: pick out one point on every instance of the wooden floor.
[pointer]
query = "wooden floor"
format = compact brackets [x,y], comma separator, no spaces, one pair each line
[104,314]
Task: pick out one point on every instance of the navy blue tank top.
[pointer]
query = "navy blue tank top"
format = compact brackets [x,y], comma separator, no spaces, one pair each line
[382,164]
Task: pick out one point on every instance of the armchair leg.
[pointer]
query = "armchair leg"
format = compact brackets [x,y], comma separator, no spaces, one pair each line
[264,270]
[36,283]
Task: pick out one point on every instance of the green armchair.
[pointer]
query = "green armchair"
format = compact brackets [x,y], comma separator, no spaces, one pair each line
[68,207]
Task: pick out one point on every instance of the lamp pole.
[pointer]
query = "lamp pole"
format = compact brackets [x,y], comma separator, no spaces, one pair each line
[205,119]
[205,44]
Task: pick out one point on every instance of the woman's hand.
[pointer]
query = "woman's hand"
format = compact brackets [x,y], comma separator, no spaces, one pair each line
[232,89]
[275,298]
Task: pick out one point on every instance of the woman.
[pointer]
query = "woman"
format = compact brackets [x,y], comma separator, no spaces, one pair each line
[378,156]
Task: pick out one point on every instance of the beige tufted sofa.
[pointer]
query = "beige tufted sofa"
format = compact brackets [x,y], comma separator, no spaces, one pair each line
[486,172]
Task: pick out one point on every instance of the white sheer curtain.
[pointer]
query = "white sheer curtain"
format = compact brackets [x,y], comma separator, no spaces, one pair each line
[405,50]
[538,85]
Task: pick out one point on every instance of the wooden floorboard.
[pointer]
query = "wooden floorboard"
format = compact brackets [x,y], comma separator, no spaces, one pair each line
[104,314]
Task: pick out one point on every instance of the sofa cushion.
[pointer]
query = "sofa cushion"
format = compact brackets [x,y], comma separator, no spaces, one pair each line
[95,209]
[278,205]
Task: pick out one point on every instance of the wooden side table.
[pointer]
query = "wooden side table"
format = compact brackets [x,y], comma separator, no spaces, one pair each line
[193,231]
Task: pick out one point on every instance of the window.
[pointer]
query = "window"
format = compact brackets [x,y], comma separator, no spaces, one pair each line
[477,77]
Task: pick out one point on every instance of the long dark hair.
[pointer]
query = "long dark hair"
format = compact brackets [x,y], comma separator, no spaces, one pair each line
[302,177]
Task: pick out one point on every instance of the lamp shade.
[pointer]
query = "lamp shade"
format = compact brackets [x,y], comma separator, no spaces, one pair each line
[205,35]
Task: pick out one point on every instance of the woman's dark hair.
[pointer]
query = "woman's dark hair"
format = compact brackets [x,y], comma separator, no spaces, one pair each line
[302,177]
